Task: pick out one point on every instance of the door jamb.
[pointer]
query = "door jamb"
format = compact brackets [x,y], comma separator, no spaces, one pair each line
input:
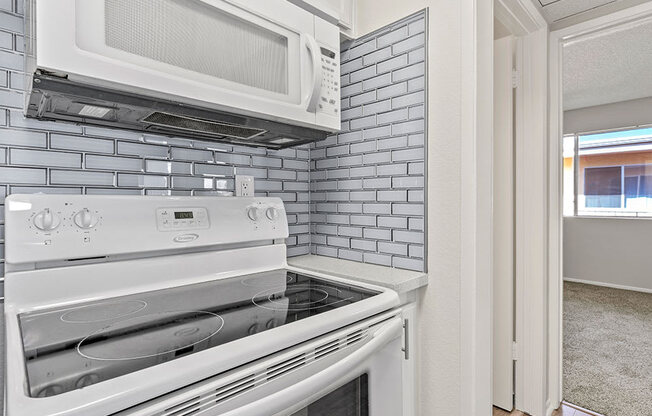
[531,227]
[531,234]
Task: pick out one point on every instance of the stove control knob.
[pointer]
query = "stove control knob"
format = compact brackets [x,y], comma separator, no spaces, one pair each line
[46,220]
[253,329]
[272,214]
[252,213]
[85,219]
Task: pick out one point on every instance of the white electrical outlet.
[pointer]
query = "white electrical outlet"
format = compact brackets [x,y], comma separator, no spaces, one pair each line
[244,185]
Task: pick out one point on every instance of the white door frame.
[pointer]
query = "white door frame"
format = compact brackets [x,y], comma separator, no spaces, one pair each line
[558,39]
[476,116]
[531,175]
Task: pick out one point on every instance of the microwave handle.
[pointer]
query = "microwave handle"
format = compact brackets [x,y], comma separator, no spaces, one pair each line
[313,94]
[284,399]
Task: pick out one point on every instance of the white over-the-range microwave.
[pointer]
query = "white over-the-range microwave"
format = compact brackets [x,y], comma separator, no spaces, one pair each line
[263,73]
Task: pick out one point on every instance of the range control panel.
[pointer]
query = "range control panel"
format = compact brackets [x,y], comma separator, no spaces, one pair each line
[329,97]
[70,227]
[182,218]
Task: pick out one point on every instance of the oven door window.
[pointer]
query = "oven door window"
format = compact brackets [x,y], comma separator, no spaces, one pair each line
[352,399]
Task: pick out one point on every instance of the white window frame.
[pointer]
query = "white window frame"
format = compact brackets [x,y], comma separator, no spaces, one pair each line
[602,212]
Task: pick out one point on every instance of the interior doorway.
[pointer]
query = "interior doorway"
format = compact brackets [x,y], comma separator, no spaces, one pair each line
[600,158]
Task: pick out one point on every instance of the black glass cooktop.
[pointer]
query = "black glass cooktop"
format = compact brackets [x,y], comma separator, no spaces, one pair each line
[74,347]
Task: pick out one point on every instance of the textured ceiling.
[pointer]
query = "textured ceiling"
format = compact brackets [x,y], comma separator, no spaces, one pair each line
[554,10]
[610,67]
[559,13]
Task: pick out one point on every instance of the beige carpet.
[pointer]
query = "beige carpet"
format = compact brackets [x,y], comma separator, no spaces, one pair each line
[608,349]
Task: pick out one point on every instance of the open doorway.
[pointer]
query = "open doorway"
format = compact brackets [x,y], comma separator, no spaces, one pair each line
[604,129]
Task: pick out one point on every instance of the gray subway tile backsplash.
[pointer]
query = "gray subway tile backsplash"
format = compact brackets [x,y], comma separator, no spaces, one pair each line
[113,163]
[192,182]
[11,61]
[377,56]
[17,175]
[24,138]
[11,23]
[143,150]
[408,44]
[359,50]
[363,98]
[377,160]
[44,158]
[81,177]
[81,144]
[191,154]
[374,258]
[392,64]
[357,195]
[214,170]
[165,166]
[394,36]
[406,263]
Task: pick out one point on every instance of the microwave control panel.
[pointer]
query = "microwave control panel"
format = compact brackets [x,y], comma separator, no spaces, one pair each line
[329,100]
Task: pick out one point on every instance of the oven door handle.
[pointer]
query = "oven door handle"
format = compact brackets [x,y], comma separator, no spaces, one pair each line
[285,399]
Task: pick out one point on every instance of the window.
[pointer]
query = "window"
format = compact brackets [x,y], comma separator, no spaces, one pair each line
[608,174]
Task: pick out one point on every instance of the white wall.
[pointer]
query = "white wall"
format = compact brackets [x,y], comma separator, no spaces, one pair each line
[439,312]
[444,378]
[609,251]
[609,116]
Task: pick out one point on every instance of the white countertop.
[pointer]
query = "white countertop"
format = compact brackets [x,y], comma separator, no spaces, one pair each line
[402,281]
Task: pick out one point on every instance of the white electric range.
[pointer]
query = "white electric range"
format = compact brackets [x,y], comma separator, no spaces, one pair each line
[179,306]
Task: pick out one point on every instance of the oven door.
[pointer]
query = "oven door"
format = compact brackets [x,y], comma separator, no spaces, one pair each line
[356,371]
[255,58]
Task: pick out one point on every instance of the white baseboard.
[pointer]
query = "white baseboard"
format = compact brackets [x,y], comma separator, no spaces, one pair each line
[611,285]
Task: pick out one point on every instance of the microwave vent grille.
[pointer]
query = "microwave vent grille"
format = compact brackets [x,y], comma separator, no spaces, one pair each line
[191,124]
[200,37]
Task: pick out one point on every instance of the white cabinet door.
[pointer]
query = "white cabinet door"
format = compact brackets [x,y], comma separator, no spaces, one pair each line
[409,315]
[339,12]
[346,11]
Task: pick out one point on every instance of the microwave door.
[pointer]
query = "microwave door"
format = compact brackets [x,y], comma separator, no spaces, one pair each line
[253,58]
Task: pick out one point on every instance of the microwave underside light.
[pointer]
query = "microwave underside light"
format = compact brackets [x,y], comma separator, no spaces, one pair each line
[57,99]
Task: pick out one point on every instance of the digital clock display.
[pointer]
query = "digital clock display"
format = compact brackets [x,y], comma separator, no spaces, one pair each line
[182,215]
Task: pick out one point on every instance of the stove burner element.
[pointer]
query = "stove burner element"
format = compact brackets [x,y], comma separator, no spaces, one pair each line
[157,334]
[102,311]
[302,297]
